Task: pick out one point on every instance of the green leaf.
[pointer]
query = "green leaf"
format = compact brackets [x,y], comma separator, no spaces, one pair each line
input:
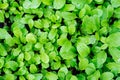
[62,39]
[22,70]
[30,23]
[68,7]
[51,76]
[46,23]
[81,77]
[90,24]
[58,4]
[35,4]
[118,78]
[20,57]
[27,56]
[38,46]
[12,65]
[73,78]
[17,31]
[106,76]
[38,24]
[49,46]
[27,4]
[64,70]
[61,75]
[100,59]
[30,38]
[117,24]
[83,49]
[27,47]
[47,2]
[113,40]
[2,16]
[10,41]
[90,69]
[3,51]
[43,37]
[21,78]
[78,3]
[9,77]
[44,58]
[16,52]
[71,29]
[45,65]
[82,13]
[99,1]
[115,3]
[97,11]
[1,62]
[115,67]
[67,51]
[83,63]
[33,68]
[3,34]
[68,15]
[55,65]
[38,76]
[4,5]
[63,29]
[52,34]
[30,77]
[117,13]
[110,11]
[115,53]
[36,59]
[94,76]
[71,63]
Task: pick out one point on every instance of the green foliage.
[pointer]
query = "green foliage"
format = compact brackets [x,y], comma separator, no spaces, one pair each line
[30,38]
[90,24]
[107,76]
[67,51]
[115,3]
[68,15]
[12,65]
[100,59]
[51,76]
[27,4]
[58,4]
[2,16]
[113,40]
[59,39]
[3,51]
[83,49]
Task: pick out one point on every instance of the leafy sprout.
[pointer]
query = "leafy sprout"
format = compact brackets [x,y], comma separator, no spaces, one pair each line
[59,39]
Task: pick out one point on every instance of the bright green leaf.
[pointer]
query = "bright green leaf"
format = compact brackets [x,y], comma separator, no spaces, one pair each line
[1,16]
[68,15]
[115,3]
[67,51]
[44,57]
[113,40]
[58,4]
[30,38]
[51,76]
[33,68]
[12,65]
[3,51]
[83,49]
[106,76]
[115,53]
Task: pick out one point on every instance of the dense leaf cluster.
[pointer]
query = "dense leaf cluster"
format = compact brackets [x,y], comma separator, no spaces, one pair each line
[59,39]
